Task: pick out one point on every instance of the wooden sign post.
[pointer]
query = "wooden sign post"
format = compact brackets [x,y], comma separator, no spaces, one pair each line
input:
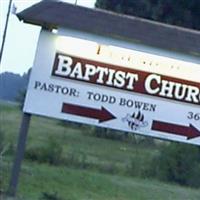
[23,132]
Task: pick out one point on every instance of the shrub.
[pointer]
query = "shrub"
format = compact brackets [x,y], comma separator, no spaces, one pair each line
[76,160]
[139,167]
[50,153]
[20,98]
[109,168]
[107,133]
[179,163]
[71,124]
[146,141]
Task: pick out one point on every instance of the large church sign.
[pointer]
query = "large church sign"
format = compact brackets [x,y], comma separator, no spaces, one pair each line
[113,87]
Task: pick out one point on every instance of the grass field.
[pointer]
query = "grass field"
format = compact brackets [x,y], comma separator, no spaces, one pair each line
[93,168]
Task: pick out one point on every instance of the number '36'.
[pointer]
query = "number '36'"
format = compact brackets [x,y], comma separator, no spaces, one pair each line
[192,115]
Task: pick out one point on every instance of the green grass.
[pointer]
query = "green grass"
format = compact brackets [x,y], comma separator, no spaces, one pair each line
[105,177]
[78,184]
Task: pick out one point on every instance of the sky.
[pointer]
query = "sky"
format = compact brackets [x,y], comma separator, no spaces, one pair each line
[21,38]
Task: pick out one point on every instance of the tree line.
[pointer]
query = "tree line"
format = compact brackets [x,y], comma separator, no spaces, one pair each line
[184,13]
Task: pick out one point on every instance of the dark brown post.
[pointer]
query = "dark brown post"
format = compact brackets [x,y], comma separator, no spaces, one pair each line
[23,132]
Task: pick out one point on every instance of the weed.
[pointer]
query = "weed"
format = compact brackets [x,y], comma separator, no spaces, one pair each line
[50,196]
[50,153]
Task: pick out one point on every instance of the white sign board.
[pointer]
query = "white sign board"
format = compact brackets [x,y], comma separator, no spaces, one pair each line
[117,88]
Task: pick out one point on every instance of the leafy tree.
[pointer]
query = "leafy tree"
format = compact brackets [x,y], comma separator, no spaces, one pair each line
[179,163]
[178,12]
[20,98]
[11,84]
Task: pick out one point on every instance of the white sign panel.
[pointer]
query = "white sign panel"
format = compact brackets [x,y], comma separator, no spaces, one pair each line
[112,87]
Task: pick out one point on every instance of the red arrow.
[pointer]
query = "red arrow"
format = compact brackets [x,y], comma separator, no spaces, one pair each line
[101,114]
[188,131]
